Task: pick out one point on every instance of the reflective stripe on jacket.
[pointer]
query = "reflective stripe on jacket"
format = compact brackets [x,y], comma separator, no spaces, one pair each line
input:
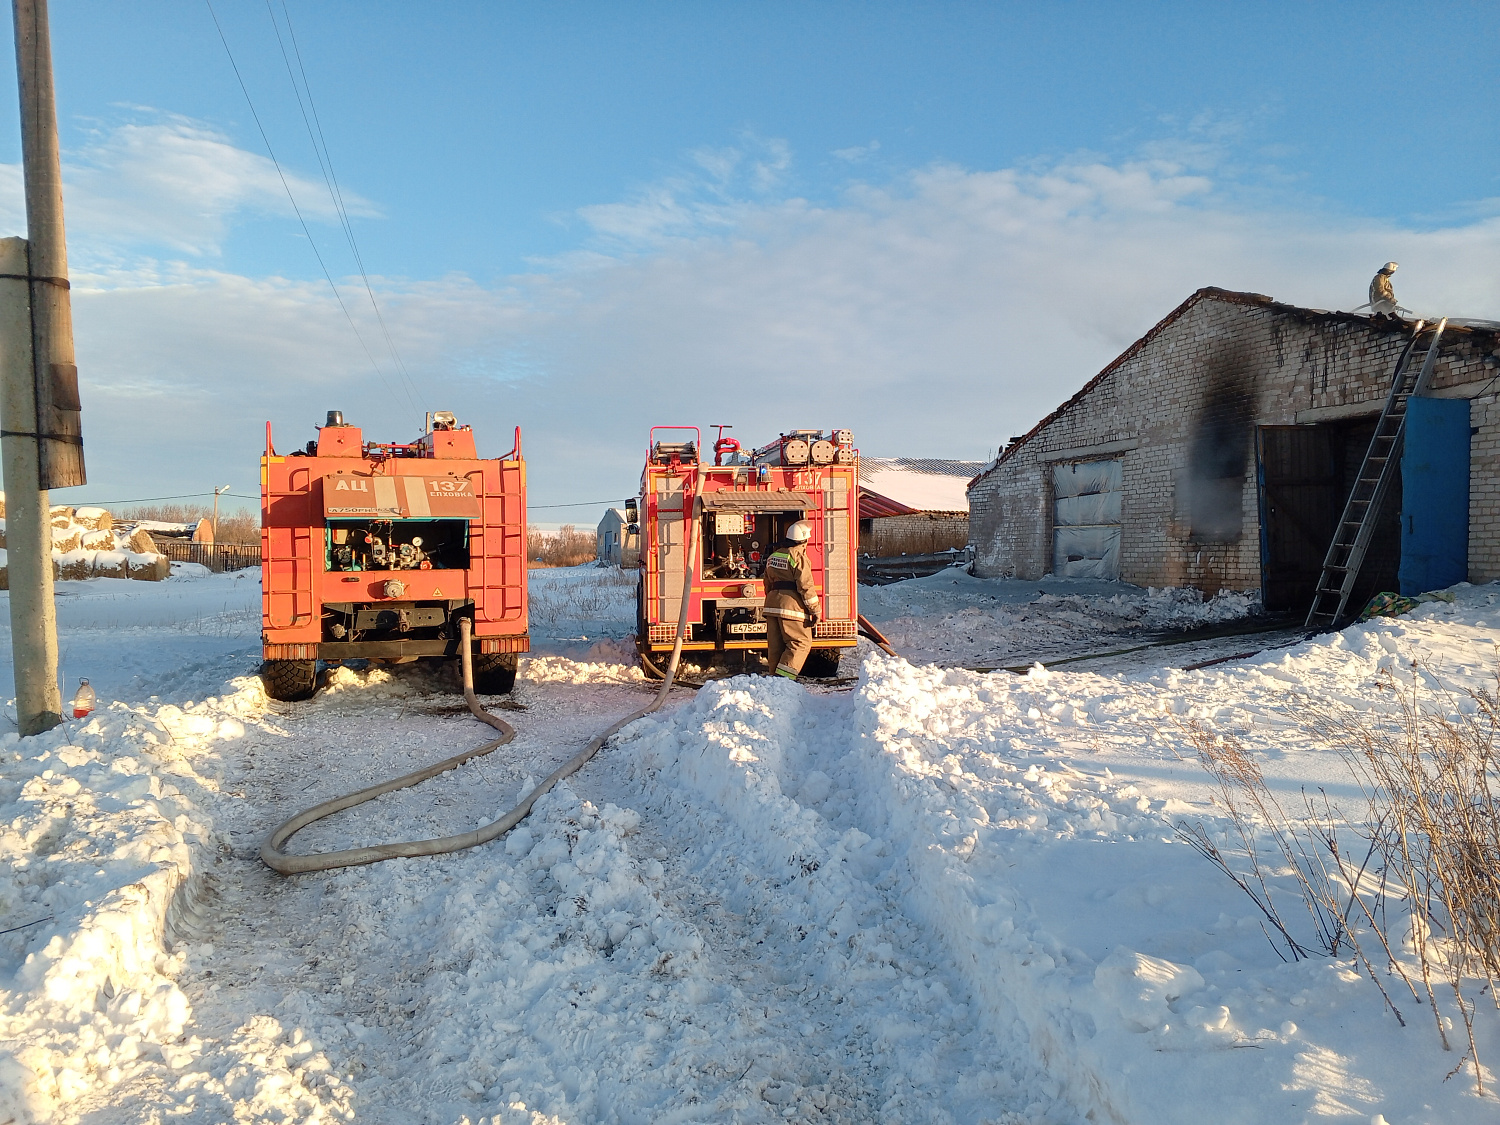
[789,585]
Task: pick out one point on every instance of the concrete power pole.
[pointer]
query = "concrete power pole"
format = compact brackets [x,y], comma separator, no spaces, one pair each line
[59,428]
[28,528]
[41,433]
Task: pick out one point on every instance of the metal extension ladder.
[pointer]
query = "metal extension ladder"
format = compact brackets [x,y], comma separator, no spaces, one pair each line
[1351,539]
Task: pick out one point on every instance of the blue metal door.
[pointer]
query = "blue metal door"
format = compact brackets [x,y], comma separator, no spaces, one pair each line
[1435,494]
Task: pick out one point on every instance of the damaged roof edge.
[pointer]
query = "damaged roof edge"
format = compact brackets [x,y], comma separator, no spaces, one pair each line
[1230,297]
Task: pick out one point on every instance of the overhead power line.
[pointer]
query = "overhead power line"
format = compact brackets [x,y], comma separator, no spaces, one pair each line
[580,504]
[330,177]
[153,499]
[265,138]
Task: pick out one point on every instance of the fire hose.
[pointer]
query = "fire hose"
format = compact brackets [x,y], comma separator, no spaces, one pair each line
[271,853]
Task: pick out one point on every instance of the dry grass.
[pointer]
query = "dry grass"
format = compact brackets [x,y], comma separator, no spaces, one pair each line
[608,593]
[1432,784]
[1256,815]
[568,546]
[1426,843]
[238,526]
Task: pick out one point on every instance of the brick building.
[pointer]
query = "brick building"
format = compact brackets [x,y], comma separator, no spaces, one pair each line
[1218,450]
[913,506]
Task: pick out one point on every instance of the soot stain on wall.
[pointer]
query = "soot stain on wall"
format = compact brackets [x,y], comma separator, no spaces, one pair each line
[1219,449]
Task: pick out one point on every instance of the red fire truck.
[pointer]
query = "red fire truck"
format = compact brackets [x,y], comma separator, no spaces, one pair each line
[374,551]
[743,502]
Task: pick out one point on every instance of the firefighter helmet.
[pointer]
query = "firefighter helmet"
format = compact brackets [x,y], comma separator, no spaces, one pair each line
[799,532]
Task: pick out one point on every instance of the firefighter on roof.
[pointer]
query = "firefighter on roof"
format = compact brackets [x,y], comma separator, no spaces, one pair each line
[791,608]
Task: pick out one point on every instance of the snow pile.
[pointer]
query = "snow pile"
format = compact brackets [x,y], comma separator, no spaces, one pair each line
[1026,824]
[953,618]
[607,662]
[104,835]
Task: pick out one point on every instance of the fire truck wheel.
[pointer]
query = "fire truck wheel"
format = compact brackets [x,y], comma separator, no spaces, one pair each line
[290,680]
[822,664]
[494,673]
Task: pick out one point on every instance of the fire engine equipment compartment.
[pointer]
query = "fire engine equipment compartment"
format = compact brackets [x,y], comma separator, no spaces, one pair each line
[377,551]
[748,499]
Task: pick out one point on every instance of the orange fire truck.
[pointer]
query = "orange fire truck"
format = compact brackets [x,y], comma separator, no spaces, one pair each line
[743,502]
[375,551]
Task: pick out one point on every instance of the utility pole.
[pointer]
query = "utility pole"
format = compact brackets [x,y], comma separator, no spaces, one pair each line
[217,493]
[41,433]
[28,524]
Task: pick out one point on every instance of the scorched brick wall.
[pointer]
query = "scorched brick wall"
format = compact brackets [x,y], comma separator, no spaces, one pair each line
[1180,410]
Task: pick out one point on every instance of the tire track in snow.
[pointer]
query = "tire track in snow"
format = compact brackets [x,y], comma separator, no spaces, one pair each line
[813,910]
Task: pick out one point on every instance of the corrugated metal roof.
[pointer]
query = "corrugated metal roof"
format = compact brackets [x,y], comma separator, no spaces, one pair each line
[898,486]
[933,465]
[873,506]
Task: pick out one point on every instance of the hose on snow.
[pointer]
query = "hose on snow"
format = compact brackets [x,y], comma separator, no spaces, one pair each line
[277,860]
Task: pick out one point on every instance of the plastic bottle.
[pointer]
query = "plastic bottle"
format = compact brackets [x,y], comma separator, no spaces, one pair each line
[83,700]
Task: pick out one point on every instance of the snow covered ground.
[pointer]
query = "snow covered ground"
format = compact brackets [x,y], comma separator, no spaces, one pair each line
[937,896]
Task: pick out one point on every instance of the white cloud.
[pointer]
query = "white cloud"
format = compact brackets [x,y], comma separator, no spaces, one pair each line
[169,183]
[935,315]
[858,153]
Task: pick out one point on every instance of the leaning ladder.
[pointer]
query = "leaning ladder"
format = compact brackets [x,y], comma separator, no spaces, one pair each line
[1351,539]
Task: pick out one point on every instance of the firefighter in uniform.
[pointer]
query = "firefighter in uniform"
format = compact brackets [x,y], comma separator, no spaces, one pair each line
[792,607]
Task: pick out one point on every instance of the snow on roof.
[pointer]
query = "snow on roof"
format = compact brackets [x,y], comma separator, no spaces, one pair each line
[918,484]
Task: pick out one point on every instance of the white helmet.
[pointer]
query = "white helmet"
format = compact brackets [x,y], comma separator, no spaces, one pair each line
[799,532]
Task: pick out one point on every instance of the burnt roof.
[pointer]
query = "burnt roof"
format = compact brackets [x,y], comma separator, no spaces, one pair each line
[1385,325]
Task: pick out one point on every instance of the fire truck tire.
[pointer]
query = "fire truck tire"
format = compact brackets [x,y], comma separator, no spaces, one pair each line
[822,664]
[289,680]
[494,673]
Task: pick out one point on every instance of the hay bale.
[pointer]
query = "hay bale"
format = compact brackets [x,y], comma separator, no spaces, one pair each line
[140,543]
[66,539]
[99,541]
[94,519]
[147,568]
[73,566]
[111,564]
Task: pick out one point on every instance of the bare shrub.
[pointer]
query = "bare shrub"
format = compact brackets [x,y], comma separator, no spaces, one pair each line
[1302,845]
[1428,843]
[238,526]
[1433,786]
[568,546]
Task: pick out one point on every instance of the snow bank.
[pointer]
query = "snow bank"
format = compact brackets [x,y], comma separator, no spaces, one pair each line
[1027,824]
[104,835]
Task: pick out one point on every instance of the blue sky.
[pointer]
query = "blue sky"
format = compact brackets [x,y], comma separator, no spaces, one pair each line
[929,222]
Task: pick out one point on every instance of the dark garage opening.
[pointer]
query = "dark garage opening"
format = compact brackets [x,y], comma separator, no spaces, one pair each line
[1306,475]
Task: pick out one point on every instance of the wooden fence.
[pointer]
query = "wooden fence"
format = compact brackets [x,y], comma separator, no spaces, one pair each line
[218,557]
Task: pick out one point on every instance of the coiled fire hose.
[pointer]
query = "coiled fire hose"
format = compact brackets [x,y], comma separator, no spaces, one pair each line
[277,860]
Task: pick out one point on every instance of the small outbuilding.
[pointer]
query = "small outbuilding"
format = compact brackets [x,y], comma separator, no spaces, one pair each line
[1219,449]
[913,506]
[616,544]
